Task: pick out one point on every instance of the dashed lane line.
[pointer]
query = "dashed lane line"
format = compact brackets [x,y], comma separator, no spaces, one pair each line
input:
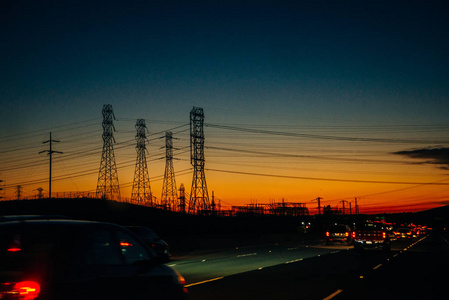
[204,281]
[333,295]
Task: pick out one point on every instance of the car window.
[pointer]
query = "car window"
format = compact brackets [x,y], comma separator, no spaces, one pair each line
[131,249]
[338,228]
[371,226]
[101,249]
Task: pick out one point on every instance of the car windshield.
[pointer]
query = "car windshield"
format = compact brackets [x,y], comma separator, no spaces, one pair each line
[145,232]
[370,226]
[338,228]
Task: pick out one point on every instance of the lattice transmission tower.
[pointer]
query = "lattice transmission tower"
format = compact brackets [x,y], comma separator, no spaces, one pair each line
[141,192]
[182,198]
[199,198]
[169,198]
[107,184]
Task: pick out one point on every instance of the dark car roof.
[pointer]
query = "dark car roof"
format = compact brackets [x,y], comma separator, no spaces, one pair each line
[8,218]
[54,223]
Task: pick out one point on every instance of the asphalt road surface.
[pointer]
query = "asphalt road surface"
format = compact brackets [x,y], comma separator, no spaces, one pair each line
[415,269]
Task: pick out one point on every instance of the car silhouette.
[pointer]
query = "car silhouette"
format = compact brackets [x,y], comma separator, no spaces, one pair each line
[159,246]
[68,259]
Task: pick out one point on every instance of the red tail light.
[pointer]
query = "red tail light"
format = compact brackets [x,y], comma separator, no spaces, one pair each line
[384,235]
[23,290]
[126,244]
[346,234]
[14,249]
[327,233]
[353,234]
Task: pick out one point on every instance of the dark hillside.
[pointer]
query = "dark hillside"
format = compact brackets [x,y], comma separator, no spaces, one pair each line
[182,231]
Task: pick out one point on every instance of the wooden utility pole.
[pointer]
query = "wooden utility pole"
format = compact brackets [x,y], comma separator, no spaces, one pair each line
[50,154]
[343,201]
[319,205]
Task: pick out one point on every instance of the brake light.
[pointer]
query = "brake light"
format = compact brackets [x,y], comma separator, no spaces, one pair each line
[125,244]
[353,234]
[346,234]
[14,249]
[384,235]
[327,233]
[23,290]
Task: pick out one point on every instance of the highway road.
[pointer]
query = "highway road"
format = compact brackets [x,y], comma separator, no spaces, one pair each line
[411,270]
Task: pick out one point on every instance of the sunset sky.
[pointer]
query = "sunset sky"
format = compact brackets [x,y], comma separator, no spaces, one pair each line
[302,99]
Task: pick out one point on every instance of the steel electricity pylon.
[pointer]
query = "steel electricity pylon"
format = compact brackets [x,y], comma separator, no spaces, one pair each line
[199,197]
[141,192]
[182,198]
[169,198]
[107,184]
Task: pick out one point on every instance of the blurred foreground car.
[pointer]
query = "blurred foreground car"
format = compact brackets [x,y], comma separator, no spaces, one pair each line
[159,246]
[339,233]
[61,259]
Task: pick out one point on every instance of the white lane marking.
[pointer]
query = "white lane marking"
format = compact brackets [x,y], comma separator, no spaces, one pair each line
[244,255]
[333,295]
[205,281]
[377,267]
[444,239]
[293,261]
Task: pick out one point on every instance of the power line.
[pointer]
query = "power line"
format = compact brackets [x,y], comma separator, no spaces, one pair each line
[272,154]
[323,137]
[326,179]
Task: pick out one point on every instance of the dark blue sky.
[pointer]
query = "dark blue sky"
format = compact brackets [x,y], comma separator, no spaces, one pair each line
[363,60]
[333,67]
